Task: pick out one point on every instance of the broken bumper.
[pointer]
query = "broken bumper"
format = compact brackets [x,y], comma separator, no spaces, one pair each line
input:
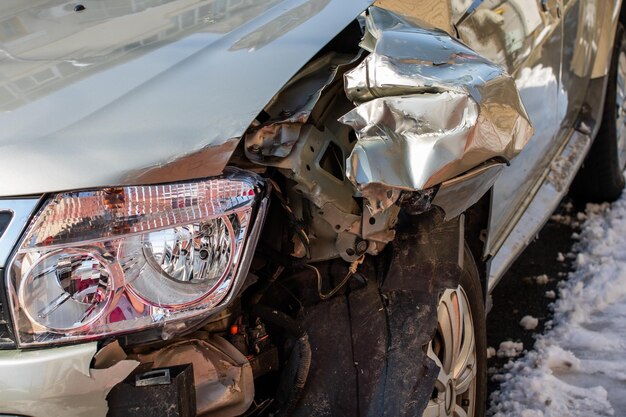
[57,381]
[80,380]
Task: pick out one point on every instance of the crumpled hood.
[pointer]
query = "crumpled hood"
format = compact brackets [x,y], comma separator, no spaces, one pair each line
[122,94]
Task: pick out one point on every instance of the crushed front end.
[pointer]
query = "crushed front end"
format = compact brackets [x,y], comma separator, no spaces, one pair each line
[301,280]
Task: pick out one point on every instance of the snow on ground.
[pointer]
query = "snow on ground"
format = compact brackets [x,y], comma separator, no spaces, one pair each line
[510,349]
[529,322]
[578,367]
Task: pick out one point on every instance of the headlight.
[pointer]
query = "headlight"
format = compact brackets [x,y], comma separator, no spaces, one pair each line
[102,262]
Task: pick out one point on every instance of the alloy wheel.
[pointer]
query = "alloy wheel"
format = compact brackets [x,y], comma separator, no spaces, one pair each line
[453,349]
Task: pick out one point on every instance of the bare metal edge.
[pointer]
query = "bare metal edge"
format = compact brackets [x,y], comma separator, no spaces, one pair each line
[21,210]
[554,187]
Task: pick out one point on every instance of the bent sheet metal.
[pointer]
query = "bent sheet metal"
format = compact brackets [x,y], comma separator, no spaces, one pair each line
[428,103]
[291,108]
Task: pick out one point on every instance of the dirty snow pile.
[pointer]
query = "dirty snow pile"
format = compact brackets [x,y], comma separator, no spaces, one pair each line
[529,322]
[510,349]
[578,368]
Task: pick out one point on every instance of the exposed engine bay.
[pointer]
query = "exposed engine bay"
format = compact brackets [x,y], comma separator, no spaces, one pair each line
[372,154]
[284,207]
[339,221]
[423,121]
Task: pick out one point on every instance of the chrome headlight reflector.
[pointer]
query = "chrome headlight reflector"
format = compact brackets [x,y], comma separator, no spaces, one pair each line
[110,261]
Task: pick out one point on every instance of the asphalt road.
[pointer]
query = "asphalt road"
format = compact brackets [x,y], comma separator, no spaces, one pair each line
[520,293]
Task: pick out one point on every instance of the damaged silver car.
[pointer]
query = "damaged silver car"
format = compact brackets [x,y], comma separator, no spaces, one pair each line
[284,207]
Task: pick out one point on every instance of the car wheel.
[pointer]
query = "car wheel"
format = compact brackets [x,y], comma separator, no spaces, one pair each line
[602,177]
[459,349]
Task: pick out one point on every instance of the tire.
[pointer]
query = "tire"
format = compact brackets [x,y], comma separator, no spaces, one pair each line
[601,178]
[450,391]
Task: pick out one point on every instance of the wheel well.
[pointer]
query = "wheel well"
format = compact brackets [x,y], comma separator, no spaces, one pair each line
[476,228]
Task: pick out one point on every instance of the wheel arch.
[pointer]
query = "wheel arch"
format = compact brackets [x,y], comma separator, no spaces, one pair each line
[476,228]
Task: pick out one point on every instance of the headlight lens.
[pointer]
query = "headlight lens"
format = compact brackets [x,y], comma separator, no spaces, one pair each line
[96,263]
[178,266]
[65,288]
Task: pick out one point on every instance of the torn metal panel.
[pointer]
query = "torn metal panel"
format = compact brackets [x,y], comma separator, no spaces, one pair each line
[322,196]
[460,193]
[430,104]
[58,381]
[222,375]
[291,108]
[418,133]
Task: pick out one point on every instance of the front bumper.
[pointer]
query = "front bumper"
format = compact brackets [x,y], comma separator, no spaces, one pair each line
[75,380]
[57,382]
[61,381]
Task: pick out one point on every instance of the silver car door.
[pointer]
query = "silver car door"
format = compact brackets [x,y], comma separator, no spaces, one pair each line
[524,36]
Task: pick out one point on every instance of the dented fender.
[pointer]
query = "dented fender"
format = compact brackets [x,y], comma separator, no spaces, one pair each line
[428,109]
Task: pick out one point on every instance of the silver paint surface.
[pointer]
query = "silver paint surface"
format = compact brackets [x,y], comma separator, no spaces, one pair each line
[129,92]
[607,24]
[429,104]
[57,382]
[553,187]
[527,41]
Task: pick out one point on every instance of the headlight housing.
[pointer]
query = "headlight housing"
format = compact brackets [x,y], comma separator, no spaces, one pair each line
[117,260]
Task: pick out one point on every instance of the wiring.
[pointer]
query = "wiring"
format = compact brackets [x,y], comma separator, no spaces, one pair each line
[296,225]
[351,271]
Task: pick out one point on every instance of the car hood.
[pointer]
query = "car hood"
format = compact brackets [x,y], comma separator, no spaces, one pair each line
[123,92]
